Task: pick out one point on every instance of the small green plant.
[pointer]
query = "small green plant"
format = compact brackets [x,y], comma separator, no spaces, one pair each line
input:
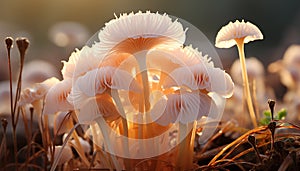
[268,116]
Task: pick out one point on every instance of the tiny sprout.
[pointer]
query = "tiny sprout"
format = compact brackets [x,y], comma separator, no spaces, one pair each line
[252,141]
[272,127]
[268,116]
[9,42]
[271,106]
[22,44]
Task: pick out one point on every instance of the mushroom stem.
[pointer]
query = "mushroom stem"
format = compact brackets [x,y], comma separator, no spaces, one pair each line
[240,45]
[119,105]
[186,144]
[79,149]
[105,132]
[97,149]
[77,145]
[145,129]
[37,105]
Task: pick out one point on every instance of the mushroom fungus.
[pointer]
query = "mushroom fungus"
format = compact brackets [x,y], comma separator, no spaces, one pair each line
[239,33]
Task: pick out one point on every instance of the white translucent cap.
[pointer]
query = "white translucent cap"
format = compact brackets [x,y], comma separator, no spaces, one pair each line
[227,35]
[140,24]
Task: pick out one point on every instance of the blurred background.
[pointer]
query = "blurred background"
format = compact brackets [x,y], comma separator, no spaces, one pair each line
[55,28]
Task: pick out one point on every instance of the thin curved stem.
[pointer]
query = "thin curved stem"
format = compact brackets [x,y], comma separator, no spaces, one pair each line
[56,160]
[186,139]
[240,45]
[105,132]
[78,147]
[119,105]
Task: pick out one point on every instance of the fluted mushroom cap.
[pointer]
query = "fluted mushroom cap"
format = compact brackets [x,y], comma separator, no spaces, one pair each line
[227,35]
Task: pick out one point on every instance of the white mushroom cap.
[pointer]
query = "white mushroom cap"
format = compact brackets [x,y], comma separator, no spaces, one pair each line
[56,98]
[136,25]
[37,91]
[227,35]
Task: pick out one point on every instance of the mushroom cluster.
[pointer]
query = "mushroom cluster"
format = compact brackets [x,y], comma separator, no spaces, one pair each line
[139,82]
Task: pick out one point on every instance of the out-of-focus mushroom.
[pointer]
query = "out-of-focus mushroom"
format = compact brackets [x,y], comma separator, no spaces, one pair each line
[37,71]
[70,34]
[288,68]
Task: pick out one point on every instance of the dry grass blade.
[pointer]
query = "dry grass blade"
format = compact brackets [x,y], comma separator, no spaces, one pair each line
[241,138]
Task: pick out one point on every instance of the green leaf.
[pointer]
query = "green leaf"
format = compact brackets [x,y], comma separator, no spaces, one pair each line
[282,114]
[267,113]
[265,121]
[267,116]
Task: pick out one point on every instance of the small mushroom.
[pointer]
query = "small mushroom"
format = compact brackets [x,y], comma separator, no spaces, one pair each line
[239,33]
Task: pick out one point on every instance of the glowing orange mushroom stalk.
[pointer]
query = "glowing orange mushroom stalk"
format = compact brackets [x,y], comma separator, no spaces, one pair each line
[239,33]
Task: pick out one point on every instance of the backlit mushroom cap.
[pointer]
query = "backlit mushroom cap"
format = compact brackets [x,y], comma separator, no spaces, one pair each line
[136,25]
[37,91]
[77,64]
[189,86]
[56,98]
[89,92]
[227,35]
